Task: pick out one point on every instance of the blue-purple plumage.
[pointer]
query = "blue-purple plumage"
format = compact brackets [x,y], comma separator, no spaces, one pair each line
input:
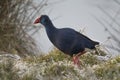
[66,39]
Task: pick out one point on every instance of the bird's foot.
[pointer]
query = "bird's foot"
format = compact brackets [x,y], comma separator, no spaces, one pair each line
[76,61]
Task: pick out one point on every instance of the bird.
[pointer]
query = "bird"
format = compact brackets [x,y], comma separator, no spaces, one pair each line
[67,40]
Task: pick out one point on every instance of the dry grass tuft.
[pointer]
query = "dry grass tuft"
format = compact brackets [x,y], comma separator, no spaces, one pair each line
[16,18]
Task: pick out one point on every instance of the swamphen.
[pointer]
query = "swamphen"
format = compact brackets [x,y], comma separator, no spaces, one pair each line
[67,40]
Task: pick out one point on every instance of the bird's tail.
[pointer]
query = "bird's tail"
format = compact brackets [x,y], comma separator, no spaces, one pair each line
[96,43]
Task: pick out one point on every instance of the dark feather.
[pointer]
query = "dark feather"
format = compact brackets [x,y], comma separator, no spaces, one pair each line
[67,40]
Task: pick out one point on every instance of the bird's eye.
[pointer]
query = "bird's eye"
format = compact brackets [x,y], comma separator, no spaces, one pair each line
[43,20]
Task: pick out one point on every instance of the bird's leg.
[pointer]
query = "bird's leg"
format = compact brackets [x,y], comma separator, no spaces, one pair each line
[76,58]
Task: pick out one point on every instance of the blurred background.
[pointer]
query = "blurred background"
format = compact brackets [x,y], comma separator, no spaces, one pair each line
[97,19]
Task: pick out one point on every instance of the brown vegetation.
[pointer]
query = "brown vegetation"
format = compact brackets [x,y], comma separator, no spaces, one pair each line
[15,23]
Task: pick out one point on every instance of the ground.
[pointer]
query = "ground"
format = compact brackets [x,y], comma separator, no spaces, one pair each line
[58,66]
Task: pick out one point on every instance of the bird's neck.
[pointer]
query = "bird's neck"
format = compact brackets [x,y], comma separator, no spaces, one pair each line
[51,31]
[50,27]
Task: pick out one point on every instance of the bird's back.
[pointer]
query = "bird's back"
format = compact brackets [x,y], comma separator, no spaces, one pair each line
[71,42]
[88,43]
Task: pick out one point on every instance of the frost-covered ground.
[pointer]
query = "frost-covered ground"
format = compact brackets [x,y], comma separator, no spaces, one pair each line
[58,66]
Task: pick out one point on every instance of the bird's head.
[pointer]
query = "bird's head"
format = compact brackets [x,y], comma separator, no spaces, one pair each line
[43,19]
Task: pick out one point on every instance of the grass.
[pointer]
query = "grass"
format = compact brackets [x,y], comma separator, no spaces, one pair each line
[6,71]
[58,66]
[109,70]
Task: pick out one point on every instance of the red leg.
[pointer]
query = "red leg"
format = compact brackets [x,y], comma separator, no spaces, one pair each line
[76,58]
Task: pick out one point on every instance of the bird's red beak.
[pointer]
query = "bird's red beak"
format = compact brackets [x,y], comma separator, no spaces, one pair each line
[37,20]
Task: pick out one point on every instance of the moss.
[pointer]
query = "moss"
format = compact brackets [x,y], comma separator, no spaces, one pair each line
[54,55]
[57,70]
[58,66]
[58,55]
[29,77]
[89,59]
[6,71]
[109,70]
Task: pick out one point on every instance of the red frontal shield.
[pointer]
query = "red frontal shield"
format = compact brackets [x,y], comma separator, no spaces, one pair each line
[37,20]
